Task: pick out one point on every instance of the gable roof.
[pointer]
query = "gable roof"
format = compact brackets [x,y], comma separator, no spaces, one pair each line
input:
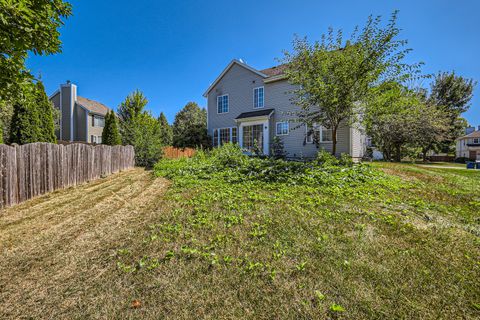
[230,65]
[474,134]
[93,106]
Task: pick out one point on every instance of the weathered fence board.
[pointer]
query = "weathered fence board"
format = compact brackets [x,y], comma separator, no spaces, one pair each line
[33,169]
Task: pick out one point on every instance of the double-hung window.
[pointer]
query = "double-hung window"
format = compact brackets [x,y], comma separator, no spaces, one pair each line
[224,135]
[282,128]
[475,140]
[222,104]
[258,97]
[319,133]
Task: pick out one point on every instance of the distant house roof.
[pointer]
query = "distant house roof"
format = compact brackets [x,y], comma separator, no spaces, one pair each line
[93,106]
[253,114]
[474,134]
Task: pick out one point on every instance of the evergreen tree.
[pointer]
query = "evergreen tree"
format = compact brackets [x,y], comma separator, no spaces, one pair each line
[110,134]
[190,127]
[45,113]
[166,131]
[128,111]
[25,126]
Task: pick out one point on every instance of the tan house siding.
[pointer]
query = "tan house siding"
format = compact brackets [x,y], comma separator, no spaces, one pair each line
[92,130]
[81,124]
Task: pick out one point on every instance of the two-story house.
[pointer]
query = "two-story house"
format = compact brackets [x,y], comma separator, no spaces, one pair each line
[246,105]
[468,146]
[81,119]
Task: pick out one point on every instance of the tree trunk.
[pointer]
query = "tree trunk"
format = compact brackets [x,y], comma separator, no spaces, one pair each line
[334,140]
[398,153]
[424,154]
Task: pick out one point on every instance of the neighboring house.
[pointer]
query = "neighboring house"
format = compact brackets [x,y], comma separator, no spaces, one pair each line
[81,119]
[246,105]
[468,146]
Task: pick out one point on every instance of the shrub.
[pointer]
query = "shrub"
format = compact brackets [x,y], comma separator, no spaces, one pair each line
[229,163]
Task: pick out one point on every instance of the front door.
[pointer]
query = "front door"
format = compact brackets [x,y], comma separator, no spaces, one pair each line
[253,137]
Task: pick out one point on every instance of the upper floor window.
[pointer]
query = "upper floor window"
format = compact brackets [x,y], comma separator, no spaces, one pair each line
[222,104]
[98,121]
[258,97]
[282,128]
[319,133]
[475,140]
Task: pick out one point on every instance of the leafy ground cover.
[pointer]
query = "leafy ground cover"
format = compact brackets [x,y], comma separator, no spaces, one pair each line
[236,237]
[259,238]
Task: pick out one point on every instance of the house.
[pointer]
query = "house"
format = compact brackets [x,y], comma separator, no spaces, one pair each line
[81,119]
[249,106]
[468,146]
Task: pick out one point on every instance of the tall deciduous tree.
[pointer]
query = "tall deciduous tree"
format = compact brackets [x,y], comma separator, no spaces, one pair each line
[452,94]
[45,111]
[334,77]
[190,127]
[128,110]
[27,26]
[111,134]
[166,131]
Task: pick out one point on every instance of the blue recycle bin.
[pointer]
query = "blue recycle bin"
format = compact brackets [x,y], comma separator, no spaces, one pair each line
[470,165]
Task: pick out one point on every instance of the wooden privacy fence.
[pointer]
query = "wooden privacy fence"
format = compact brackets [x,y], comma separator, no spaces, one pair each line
[33,169]
[173,153]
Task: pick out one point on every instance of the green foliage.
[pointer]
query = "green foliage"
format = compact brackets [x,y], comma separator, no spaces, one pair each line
[190,127]
[1,134]
[399,120]
[46,114]
[229,163]
[111,135]
[27,26]
[278,148]
[140,129]
[25,127]
[166,131]
[334,76]
[452,94]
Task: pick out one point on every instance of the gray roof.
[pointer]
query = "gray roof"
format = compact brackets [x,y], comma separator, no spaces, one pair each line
[252,114]
[93,106]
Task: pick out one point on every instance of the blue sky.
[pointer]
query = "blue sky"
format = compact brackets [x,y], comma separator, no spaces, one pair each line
[173,50]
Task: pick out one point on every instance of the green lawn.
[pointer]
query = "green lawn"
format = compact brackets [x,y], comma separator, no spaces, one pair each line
[382,241]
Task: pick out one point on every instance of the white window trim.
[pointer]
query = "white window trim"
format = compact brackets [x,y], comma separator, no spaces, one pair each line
[218,135]
[320,129]
[474,140]
[228,103]
[263,102]
[282,134]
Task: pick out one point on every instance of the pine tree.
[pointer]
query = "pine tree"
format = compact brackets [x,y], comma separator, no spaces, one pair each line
[45,114]
[25,126]
[166,131]
[111,134]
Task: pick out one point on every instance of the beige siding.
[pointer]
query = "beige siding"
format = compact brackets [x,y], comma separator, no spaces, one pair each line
[95,131]
[66,109]
[238,83]
[358,142]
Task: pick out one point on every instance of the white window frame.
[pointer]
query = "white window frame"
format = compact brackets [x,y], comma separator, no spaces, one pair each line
[218,135]
[96,117]
[475,140]
[255,100]
[320,129]
[228,103]
[282,134]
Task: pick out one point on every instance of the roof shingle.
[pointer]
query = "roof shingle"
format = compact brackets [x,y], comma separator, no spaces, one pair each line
[93,106]
[251,114]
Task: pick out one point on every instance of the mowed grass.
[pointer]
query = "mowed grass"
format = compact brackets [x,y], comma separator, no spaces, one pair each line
[386,241]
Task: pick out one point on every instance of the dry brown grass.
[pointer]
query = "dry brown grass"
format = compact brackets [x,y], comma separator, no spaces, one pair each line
[56,251]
